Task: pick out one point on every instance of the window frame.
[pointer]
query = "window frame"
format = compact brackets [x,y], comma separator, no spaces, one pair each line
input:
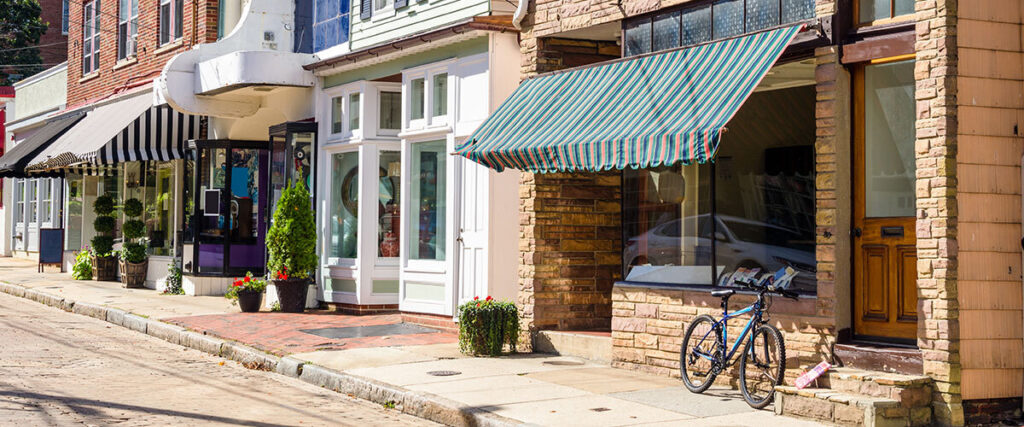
[127,46]
[175,21]
[892,19]
[91,62]
[65,17]
[427,73]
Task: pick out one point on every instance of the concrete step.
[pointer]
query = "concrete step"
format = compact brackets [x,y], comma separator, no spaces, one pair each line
[596,346]
[848,396]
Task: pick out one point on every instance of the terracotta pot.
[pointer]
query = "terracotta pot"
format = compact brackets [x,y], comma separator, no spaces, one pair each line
[250,301]
[133,275]
[291,294]
[104,268]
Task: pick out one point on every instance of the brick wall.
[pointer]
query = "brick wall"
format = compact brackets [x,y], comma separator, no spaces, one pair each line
[199,24]
[938,334]
[570,248]
[53,46]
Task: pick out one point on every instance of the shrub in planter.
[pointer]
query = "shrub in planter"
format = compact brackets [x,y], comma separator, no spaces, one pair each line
[133,254]
[103,261]
[291,244]
[247,292]
[485,326]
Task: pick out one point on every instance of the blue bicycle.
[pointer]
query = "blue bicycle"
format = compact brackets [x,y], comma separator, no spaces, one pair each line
[705,352]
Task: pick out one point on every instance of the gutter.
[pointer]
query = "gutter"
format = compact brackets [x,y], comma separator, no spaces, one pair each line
[517,18]
[498,24]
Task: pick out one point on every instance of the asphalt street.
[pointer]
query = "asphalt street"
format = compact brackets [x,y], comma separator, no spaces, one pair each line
[59,368]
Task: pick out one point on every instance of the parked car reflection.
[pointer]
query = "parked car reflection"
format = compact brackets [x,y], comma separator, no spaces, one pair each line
[741,243]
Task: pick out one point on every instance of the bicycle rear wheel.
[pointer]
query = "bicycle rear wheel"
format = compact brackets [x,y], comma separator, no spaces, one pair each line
[700,355]
[762,366]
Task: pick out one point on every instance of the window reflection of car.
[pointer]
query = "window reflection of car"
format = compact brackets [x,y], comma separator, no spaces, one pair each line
[741,243]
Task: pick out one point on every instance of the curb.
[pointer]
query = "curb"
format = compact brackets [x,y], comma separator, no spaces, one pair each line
[423,405]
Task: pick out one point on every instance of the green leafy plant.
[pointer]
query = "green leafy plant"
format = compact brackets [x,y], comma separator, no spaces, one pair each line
[82,270]
[291,240]
[246,284]
[485,326]
[173,283]
[103,243]
[276,306]
[134,249]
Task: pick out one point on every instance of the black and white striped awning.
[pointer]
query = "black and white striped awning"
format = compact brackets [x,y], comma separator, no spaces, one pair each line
[127,130]
[158,134]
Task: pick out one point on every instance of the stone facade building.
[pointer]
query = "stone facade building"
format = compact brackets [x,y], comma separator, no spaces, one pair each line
[927,268]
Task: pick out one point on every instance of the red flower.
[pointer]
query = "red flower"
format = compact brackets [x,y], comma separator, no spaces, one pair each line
[246,279]
[238,282]
[282,275]
[489,298]
[476,298]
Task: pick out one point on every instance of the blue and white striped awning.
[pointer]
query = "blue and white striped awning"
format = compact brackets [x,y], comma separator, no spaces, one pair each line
[647,111]
[127,130]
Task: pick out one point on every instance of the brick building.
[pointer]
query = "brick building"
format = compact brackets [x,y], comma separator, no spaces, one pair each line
[870,159]
[53,44]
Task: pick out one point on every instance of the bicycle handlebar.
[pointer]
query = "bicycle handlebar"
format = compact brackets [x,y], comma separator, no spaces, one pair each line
[765,289]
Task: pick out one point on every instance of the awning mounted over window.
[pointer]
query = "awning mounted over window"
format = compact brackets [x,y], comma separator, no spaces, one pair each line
[12,164]
[647,111]
[128,130]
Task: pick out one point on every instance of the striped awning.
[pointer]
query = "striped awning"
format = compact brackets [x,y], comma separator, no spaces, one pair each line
[127,130]
[647,111]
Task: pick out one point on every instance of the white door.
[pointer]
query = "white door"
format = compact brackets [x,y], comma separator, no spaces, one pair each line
[471,235]
[18,232]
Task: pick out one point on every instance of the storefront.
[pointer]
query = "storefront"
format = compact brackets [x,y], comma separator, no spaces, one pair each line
[406,225]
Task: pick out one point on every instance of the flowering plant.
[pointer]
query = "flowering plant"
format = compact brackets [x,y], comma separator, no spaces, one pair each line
[486,325]
[281,274]
[246,284]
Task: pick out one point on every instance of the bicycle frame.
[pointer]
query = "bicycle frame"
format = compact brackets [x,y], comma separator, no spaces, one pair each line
[755,319]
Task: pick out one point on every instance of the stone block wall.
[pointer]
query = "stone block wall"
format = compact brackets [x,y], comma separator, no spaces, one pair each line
[570,247]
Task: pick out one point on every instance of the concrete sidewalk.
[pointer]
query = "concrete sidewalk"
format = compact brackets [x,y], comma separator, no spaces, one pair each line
[419,373]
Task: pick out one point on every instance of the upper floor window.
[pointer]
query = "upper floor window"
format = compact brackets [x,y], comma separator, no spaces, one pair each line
[90,37]
[713,20]
[381,4]
[427,97]
[330,23]
[882,11]
[64,17]
[390,110]
[127,28]
[171,12]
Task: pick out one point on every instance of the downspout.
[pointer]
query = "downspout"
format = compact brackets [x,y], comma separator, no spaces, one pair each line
[517,18]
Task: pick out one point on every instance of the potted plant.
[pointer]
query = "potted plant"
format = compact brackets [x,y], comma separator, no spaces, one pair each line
[134,261]
[291,244]
[485,326]
[247,292]
[103,260]
[82,270]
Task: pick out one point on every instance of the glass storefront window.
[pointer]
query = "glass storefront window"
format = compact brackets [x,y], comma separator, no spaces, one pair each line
[416,96]
[158,206]
[211,215]
[33,198]
[428,199]
[638,37]
[353,112]
[336,114]
[890,168]
[390,110]
[75,200]
[19,200]
[667,225]
[666,31]
[439,95]
[45,199]
[389,202]
[344,205]
[243,206]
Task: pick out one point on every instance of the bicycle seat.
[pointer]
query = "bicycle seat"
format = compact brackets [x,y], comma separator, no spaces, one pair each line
[726,293]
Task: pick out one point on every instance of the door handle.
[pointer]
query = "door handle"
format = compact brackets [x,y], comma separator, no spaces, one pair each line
[856,232]
[892,231]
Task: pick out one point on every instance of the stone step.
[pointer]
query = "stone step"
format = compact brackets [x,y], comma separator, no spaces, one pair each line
[849,396]
[596,346]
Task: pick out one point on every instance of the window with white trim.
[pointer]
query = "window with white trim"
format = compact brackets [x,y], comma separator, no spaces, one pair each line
[127,28]
[382,4]
[19,200]
[426,100]
[90,37]
[171,12]
[64,21]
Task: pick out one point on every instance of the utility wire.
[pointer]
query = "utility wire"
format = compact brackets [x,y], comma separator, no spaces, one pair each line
[31,47]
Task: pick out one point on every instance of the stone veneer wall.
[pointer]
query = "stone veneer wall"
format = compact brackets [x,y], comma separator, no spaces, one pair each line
[938,326]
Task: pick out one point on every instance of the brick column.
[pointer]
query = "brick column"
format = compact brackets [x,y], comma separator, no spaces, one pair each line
[938,326]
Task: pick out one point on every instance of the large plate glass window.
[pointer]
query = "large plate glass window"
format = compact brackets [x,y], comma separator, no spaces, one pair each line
[428,188]
[389,229]
[344,212]
[75,206]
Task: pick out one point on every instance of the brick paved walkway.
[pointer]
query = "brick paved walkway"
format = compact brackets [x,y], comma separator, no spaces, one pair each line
[281,333]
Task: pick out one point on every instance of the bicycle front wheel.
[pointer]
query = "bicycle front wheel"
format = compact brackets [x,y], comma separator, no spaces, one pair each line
[700,354]
[762,366]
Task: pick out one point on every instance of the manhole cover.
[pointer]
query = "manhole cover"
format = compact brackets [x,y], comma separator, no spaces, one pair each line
[443,373]
[563,362]
[370,331]
[600,409]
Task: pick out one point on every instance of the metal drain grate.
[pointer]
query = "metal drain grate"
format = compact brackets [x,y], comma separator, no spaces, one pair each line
[563,362]
[443,373]
[600,409]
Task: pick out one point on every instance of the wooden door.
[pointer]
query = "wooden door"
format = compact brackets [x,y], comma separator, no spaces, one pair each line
[885,244]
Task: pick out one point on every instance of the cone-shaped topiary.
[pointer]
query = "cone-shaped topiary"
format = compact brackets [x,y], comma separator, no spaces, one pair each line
[291,240]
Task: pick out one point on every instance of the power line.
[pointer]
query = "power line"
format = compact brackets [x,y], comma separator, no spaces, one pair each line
[31,47]
[28,65]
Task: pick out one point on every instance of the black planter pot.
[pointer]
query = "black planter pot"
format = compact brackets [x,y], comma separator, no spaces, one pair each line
[250,301]
[291,294]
